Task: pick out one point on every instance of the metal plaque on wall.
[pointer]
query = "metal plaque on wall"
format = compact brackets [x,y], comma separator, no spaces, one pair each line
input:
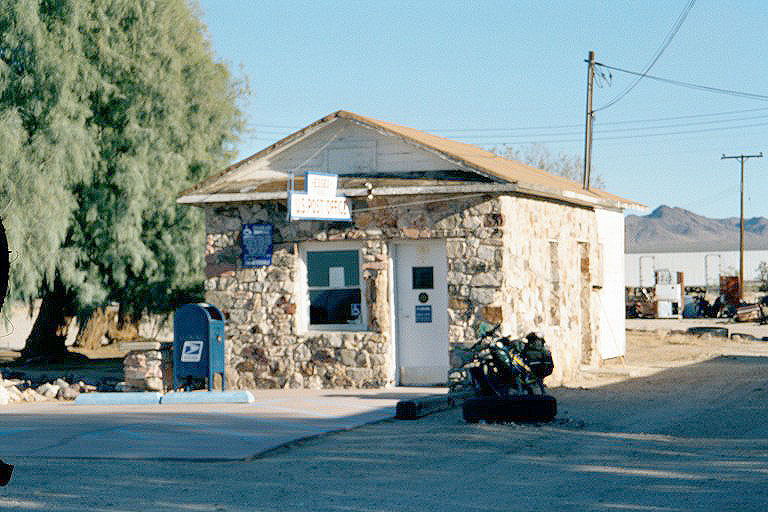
[423,314]
[256,241]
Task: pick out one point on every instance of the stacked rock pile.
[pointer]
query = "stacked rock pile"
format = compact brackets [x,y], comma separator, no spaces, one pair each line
[142,368]
[17,390]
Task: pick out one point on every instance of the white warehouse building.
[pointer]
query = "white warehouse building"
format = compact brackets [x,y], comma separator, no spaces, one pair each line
[699,268]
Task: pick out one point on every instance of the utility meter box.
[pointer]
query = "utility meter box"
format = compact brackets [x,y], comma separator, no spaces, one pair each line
[198,344]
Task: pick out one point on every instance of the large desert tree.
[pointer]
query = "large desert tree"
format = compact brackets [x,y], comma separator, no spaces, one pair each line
[47,148]
[148,112]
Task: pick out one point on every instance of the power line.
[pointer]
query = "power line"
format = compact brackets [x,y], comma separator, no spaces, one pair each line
[639,132]
[553,138]
[720,195]
[657,54]
[621,130]
[250,129]
[716,90]
[635,136]
[287,127]
[599,123]
[689,116]
[255,131]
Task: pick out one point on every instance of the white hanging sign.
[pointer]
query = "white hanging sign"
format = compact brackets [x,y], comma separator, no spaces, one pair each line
[320,201]
[321,184]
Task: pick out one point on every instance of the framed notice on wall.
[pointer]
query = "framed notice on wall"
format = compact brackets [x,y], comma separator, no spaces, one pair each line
[256,241]
[424,314]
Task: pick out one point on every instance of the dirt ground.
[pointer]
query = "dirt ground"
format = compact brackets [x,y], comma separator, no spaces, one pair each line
[655,345]
[681,424]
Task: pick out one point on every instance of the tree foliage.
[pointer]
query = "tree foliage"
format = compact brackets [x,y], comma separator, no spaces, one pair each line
[47,147]
[762,276]
[541,157]
[108,109]
[165,114]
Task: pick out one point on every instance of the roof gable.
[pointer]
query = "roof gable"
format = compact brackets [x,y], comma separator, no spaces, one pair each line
[349,144]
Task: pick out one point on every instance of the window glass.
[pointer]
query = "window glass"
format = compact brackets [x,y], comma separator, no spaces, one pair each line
[423,278]
[335,295]
[334,306]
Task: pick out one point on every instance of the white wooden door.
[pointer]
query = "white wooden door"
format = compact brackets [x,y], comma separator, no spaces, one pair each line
[421,313]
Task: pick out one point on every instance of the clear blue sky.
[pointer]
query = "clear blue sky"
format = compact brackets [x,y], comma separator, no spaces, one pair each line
[508,72]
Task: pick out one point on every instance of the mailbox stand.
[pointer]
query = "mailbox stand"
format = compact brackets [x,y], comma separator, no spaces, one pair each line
[198,343]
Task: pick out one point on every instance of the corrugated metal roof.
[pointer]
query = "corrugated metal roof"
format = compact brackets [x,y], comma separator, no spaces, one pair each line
[534,181]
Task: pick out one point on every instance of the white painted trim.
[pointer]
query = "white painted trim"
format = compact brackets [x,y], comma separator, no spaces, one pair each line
[393,374]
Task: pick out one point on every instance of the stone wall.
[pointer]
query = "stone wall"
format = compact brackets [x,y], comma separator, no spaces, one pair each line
[511,260]
[547,278]
[266,345]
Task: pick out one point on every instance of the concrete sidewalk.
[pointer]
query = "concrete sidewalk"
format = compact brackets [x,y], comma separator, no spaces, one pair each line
[201,432]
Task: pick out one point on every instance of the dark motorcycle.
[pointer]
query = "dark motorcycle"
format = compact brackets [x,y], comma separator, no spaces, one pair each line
[506,376]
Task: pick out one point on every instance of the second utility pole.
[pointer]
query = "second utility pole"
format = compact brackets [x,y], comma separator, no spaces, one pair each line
[741,220]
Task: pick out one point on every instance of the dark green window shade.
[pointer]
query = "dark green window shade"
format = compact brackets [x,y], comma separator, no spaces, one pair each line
[319,266]
[334,306]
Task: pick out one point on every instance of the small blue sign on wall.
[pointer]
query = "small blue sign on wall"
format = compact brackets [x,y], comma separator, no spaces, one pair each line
[423,314]
[256,241]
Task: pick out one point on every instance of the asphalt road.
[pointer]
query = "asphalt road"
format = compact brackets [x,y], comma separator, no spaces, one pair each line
[692,437]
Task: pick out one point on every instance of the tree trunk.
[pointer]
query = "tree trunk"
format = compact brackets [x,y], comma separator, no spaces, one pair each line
[4,264]
[94,330]
[47,341]
[106,322]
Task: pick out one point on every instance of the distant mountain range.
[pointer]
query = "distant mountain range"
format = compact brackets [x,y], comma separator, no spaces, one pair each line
[668,229]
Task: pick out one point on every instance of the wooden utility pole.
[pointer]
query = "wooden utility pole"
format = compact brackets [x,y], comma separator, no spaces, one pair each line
[590,114]
[741,220]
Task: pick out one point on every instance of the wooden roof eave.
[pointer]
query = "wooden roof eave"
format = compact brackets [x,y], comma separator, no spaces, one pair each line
[569,197]
[478,188]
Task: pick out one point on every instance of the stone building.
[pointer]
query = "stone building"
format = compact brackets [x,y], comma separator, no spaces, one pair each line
[442,236]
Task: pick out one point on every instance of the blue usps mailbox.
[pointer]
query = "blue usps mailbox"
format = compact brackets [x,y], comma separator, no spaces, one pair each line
[198,344]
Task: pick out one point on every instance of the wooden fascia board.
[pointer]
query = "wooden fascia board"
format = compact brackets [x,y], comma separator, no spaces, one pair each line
[481,188]
[576,198]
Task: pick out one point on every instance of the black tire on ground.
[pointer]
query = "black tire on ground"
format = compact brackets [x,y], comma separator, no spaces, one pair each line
[712,331]
[516,409]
